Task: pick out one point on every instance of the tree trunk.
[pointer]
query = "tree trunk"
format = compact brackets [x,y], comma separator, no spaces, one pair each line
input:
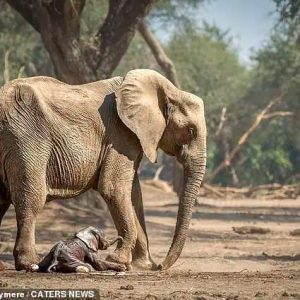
[60,30]
[77,61]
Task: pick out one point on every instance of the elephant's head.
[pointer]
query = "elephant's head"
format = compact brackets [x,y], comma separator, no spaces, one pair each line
[165,117]
[95,239]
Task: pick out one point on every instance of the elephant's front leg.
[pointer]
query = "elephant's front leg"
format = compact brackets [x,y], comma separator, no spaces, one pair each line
[122,213]
[115,185]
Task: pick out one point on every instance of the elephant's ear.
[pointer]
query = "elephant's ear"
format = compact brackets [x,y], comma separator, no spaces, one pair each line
[140,105]
[88,237]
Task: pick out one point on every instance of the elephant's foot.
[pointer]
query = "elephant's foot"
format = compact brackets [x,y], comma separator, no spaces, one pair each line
[121,258]
[25,260]
[141,259]
[143,264]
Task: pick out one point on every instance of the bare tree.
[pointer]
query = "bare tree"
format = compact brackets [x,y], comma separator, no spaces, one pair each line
[263,115]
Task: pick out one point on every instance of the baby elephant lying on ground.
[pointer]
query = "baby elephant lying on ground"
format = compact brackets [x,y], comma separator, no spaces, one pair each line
[79,254]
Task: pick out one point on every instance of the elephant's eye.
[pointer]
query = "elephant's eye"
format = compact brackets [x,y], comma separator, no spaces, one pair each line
[192,131]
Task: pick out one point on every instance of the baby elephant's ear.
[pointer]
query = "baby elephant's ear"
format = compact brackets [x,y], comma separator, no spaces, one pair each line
[89,238]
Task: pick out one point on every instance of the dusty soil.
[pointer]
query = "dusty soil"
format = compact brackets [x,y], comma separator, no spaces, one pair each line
[217,263]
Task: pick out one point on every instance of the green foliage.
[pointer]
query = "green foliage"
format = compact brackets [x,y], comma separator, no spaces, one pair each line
[24,46]
[274,151]
[93,15]
[268,157]
[278,64]
[207,65]
[174,10]
[288,9]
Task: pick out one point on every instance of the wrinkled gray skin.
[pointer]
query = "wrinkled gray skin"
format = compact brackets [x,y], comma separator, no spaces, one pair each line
[58,140]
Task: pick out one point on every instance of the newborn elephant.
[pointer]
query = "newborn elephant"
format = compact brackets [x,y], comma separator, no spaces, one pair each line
[59,140]
[79,254]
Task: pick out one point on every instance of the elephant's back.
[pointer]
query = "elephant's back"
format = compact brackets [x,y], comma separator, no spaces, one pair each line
[46,99]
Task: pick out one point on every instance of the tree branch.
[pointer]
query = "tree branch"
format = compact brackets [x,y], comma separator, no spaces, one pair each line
[278,114]
[28,10]
[117,32]
[222,121]
[60,32]
[158,52]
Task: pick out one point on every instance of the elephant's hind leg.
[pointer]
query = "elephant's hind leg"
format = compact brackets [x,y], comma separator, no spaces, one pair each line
[4,202]
[4,205]
[27,204]
[141,258]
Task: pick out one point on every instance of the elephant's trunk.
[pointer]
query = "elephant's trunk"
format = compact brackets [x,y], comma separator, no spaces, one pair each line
[194,169]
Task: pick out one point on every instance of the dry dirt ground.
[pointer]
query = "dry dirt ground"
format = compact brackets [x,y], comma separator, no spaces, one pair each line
[216,263]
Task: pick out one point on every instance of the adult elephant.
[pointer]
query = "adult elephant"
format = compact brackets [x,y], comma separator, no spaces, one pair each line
[59,140]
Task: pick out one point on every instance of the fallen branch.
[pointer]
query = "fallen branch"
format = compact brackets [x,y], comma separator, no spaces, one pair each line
[295,232]
[213,190]
[267,191]
[250,230]
[282,257]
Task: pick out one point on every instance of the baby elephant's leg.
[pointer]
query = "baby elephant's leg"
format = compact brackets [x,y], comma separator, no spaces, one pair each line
[50,261]
[69,264]
[114,266]
[74,266]
[104,265]
[84,268]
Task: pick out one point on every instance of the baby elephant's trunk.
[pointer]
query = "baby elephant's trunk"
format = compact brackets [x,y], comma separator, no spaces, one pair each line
[119,238]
